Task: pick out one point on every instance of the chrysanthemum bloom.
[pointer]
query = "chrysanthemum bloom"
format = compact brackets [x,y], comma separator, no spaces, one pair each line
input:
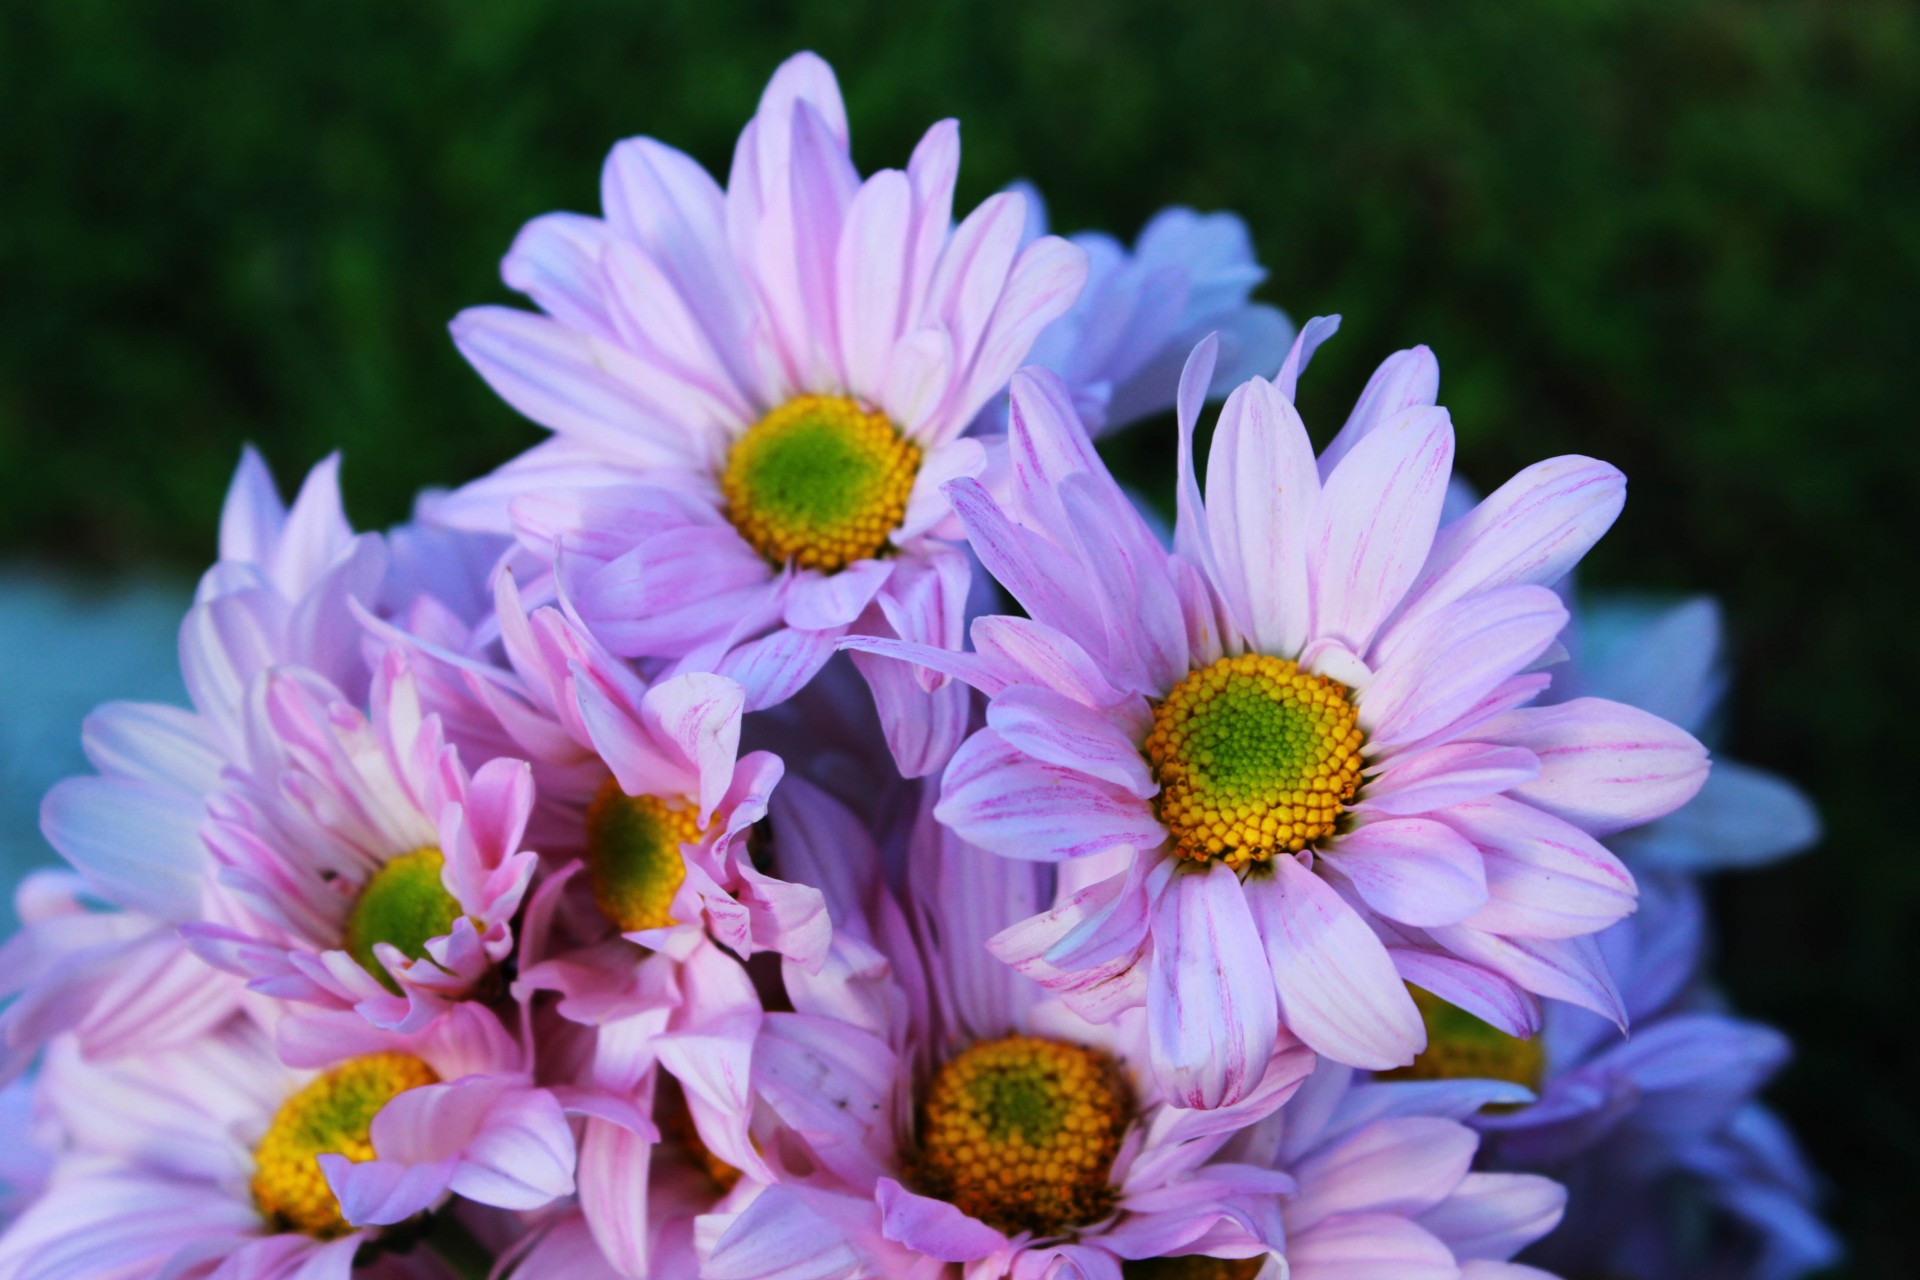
[1291,764]
[1675,1170]
[278,595]
[1669,660]
[928,1109]
[1120,348]
[368,868]
[644,783]
[212,1159]
[757,392]
[1386,1185]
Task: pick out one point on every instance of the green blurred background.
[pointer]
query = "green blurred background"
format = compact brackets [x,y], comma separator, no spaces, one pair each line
[1683,235]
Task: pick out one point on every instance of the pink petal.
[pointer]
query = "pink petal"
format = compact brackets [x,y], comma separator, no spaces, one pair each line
[1570,969]
[1545,878]
[1435,673]
[379,1192]
[1210,1014]
[557,377]
[1493,1216]
[823,602]
[1044,282]
[1604,766]
[1338,988]
[932,1227]
[1365,1246]
[1000,798]
[1412,870]
[1054,729]
[136,843]
[871,285]
[1532,529]
[1423,781]
[1401,1166]
[1405,380]
[1376,521]
[775,667]
[1263,497]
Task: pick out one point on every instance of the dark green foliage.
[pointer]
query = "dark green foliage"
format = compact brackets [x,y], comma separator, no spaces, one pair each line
[1680,235]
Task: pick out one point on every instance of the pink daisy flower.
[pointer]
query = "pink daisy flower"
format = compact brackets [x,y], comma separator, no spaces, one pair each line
[918,1111]
[757,392]
[278,594]
[211,1159]
[1291,764]
[645,783]
[369,870]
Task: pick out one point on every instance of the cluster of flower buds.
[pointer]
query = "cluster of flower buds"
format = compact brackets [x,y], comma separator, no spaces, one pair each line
[805,820]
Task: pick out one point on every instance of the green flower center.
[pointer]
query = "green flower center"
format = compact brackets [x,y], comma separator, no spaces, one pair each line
[404,905]
[820,482]
[1254,757]
[1021,1133]
[1462,1047]
[634,863]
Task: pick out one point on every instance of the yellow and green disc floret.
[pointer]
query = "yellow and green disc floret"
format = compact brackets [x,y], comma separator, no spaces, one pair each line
[634,863]
[821,481]
[1254,758]
[405,905]
[1021,1133]
[333,1114]
[1462,1047]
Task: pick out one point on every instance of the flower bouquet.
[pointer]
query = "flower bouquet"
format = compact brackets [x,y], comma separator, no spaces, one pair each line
[806,820]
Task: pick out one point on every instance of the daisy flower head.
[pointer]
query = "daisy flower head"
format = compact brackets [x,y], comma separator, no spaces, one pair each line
[643,783]
[757,391]
[216,1159]
[279,594]
[360,864]
[1303,737]
[917,1110]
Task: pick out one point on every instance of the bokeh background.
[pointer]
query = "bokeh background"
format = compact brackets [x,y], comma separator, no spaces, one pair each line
[1683,235]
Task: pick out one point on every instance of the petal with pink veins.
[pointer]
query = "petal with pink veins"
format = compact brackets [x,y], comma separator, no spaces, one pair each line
[1337,986]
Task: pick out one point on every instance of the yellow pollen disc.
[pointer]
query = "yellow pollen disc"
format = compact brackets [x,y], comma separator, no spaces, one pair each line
[633,855]
[332,1114]
[1191,1266]
[1462,1047]
[1254,758]
[820,481]
[1021,1133]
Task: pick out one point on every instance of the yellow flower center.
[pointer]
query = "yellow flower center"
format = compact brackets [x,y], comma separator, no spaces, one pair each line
[820,481]
[405,905]
[633,855]
[1191,1266]
[1462,1047]
[1254,757]
[332,1114]
[1021,1133]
